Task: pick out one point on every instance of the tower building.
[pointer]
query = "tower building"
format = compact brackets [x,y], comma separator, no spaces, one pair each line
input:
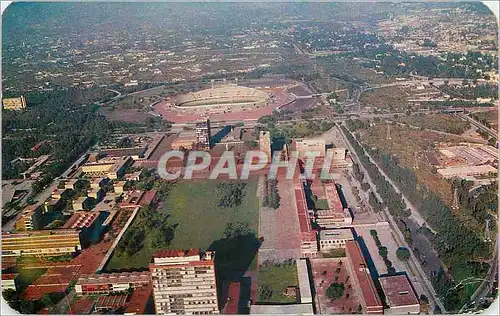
[203,134]
[184,282]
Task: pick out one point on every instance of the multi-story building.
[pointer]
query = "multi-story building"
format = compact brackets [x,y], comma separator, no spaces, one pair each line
[304,146]
[203,134]
[41,243]
[334,238]
[184,282]
[106,283]
[336,215]
[30,218]
[14,104]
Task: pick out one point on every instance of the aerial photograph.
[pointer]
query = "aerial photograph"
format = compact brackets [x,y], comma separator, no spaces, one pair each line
[249,158]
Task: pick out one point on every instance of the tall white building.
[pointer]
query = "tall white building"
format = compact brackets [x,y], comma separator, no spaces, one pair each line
[184,282]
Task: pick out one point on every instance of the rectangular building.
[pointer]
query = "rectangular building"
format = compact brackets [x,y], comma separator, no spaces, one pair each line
[9,281]
[399,295]
[106,283]
[304,282]
[334,238]
[303,146]
[41,242]
[371,303]
[184,282]
[203,134]
[14,104]
[336,215]
[308,238]
[30,218]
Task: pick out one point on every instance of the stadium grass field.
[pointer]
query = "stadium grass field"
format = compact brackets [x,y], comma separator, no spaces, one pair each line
[193,205]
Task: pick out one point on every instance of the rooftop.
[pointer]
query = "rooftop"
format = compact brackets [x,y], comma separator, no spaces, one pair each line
[398,291]
[176,253]
[81,219]
[125,277]
[333,234]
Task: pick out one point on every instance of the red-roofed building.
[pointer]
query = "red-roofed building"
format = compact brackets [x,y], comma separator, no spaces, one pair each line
[110,303]
[139,300]
[233,298]
[82,306]
[336,215]
[399,295]
[371,301]
[106,283]
[309,244]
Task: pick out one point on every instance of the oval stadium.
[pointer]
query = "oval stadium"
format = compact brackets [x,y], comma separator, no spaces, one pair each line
[224,96]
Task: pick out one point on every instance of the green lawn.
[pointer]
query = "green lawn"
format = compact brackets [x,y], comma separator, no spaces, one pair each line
[278,278]
[322,204]
[193,206]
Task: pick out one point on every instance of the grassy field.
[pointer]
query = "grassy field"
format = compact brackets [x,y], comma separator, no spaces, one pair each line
[278,278]
[385,97]
[439,122]
[193,207]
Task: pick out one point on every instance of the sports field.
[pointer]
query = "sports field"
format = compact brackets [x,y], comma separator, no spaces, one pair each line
[192,207]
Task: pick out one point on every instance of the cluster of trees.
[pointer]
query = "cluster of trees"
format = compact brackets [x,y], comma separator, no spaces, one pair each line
[456,243]
[479,203]
[382,251]
[231,193]
[271,195]
[15,301]
[148,222]
[471,92]
[335,291]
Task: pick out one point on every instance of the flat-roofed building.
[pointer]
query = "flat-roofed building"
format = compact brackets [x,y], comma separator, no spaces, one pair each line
[265,143]
[371,303]
[106,283]
[72,184]
[462,172]
[57,193]
[119,186]
[336,215]
[80,203]
[303,146]
[334,238]
[96,193]
[98,183]
[139,301]
[304,282]
[203,134]
[14,104]
[109,167]
[184,282]
[184,141]
[399,295]
[41,242]
[308,238]
[30,218]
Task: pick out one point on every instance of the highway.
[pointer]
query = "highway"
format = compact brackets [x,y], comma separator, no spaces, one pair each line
[417,269]
[491,132]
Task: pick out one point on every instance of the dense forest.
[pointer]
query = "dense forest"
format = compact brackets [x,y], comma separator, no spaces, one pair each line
[457,245]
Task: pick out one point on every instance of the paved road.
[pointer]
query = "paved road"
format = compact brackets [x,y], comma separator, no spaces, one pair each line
[421,276]
[491,132]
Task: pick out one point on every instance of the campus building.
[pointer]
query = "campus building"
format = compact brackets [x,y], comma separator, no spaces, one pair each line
[106,283]
[303,146]
[41,242]
[336,215]
[30,218]
[399,295]
[110,167]
[265,143]
[334,238]
[184,282]
[203,134]
[308,238]
[371,302]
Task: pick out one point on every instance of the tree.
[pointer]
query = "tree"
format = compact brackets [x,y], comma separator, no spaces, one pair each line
[265,293]
[236,229]
[382,251]
[335,291]
[403,253]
